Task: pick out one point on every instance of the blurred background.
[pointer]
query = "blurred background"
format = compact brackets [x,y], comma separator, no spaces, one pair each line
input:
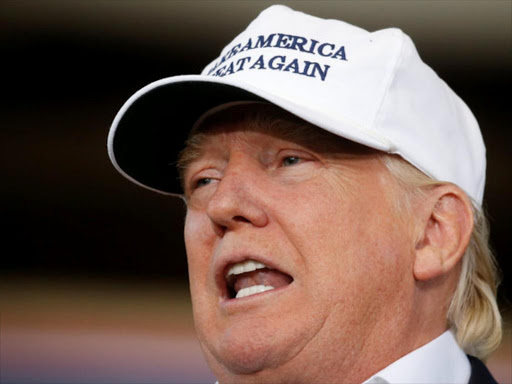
[93,276]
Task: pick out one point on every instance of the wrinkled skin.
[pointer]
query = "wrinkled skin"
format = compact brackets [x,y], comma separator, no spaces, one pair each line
[327,219]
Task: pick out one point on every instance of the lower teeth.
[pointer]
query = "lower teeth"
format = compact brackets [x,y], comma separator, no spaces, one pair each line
[253,290]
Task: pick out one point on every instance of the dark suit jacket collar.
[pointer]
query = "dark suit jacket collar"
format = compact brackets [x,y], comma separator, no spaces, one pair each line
[479,372]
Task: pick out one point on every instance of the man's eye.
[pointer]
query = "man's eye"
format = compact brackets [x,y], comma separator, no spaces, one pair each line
[290,160]
[202,182]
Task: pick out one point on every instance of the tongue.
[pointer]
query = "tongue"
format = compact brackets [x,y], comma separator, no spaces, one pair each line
[267,277]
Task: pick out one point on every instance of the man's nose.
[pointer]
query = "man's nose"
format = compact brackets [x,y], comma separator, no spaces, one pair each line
[236,202]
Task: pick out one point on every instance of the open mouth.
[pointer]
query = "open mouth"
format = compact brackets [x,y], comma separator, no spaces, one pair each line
[251,277]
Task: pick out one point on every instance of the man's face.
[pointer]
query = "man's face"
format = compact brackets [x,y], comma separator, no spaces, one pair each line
[320,218]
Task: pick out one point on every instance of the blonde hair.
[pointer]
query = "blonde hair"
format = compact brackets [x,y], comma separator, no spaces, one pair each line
[473,314]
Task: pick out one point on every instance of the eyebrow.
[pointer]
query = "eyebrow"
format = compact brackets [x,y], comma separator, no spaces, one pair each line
[273,121]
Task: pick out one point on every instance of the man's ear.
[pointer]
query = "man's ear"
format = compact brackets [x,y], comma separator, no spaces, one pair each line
[445,231]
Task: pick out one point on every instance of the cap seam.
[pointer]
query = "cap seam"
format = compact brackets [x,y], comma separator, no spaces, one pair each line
[378,115]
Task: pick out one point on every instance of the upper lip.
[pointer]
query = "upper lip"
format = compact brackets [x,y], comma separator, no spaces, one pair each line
[223,263]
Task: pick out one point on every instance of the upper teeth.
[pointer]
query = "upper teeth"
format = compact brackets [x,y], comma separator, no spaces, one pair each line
[245,266]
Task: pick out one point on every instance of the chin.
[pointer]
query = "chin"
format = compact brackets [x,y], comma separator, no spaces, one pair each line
[250,348]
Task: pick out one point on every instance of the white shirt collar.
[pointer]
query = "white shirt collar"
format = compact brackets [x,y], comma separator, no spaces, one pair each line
[439,361]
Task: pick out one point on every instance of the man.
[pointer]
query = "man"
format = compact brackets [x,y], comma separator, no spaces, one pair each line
[333,186]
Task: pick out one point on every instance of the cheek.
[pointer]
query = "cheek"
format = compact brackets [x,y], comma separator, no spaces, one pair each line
[198,232]
[377,257]
[350,234]
[198,247]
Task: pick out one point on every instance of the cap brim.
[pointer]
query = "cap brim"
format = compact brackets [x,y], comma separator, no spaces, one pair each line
[152,126]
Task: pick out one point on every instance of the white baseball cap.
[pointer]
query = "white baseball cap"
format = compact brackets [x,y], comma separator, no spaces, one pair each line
[368,87]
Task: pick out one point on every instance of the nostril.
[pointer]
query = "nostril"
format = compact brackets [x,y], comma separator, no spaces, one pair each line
[241,219]
[219,229]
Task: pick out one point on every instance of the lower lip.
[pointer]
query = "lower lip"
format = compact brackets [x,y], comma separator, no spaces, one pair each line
[231,304]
